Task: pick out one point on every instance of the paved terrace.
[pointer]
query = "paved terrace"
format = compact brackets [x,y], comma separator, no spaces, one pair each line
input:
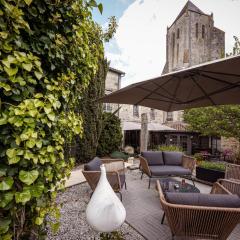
[144,212]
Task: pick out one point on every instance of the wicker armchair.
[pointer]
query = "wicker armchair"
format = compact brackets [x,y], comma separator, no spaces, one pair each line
[232,172]
[199,221]
[115,171]
[185,170]
[232,186]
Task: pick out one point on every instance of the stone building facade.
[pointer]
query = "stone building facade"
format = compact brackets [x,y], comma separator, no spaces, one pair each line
[192,39]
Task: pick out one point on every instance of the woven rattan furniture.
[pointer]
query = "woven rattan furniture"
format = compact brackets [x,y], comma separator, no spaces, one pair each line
[232,172]
[168,185]
[115,170]
[231,185]
[163,164]
[202,222]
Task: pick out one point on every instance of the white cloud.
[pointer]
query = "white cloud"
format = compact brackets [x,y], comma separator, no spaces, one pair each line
[141,35]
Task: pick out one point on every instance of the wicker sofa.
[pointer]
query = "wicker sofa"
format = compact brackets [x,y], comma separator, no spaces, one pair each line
[115,171]
[196,215]
[162,164]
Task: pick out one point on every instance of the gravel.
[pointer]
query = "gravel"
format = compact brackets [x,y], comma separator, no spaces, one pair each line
[73,219]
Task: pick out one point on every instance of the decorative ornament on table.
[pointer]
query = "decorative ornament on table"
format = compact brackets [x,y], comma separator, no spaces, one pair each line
[105,212]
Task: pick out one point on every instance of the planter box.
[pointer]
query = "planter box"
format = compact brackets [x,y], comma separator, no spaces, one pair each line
[208,175]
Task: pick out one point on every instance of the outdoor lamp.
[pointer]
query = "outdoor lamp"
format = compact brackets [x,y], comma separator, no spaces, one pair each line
[105,212]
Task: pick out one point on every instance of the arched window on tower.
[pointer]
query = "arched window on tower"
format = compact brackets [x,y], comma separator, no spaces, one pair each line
[178,33]
[173,48]
[203,31]
[196,30]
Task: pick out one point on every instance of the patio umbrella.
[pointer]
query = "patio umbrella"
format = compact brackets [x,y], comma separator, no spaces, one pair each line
[208,84]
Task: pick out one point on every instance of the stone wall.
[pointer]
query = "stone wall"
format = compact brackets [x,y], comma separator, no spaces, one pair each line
[230,144]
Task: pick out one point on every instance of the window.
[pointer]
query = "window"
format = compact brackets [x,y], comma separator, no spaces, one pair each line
[203,31]
[169,116]
[196,30]
[173,48]
[178,33]
[135,111]
[177,52]
[152,114]
[107,107]
[173,41]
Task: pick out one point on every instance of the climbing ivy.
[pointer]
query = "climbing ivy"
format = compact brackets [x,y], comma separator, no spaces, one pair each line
[49,50]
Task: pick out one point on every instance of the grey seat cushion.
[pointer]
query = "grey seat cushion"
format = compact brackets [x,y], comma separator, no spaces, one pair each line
[153,158]
[93,165]
[200,199]
[169,170]
[173,158]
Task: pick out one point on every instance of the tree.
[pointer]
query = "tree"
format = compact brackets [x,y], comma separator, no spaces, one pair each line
[46,62]
[111,136]
[216,121]
[92,112]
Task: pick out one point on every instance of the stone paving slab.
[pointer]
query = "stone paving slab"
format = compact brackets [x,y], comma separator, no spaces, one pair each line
[144,211]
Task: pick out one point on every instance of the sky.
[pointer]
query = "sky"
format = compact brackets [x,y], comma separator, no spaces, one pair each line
[139,45]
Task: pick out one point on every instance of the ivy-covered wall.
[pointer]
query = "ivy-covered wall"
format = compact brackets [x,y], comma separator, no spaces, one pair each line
[49,51]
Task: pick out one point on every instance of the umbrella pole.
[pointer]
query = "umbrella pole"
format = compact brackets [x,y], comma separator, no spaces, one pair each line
[144,132]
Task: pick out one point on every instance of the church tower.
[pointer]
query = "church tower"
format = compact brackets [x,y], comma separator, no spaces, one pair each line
[192,39]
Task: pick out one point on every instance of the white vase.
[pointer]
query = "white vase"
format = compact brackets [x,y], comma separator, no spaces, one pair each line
[105,212]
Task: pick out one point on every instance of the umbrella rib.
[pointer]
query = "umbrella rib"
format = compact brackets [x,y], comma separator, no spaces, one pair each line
[220,80]
[212,93]
[167,92]
[203,91]
[156,99]
[159,94]
[151,92]
[220,73]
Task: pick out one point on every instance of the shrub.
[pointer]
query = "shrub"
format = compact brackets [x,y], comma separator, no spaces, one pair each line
[111,136]
[169,148]
[46,59]
[212,165]
[119,155]
[198,157]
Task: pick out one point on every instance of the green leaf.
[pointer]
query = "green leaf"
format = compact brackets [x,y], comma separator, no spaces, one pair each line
[28,177]
[39,144]
[3,120]
[39,220]
[38,95]
[31,143]
[11,152]
[5,86]
[47,109]
[51,116]
[4,225]
[100,8]
[6,183]
[14,160]
[11,71]
[28,2]
[5,199]
[50,149]
[22,197]
[27,66]
[3,170]
[38,75]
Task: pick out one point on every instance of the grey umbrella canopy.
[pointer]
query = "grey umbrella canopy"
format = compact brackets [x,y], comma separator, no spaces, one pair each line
[208,84]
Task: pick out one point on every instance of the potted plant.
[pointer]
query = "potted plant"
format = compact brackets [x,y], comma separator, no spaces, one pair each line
[210,171]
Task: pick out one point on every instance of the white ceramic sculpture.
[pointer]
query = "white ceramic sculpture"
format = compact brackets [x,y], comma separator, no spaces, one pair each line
[105,212]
